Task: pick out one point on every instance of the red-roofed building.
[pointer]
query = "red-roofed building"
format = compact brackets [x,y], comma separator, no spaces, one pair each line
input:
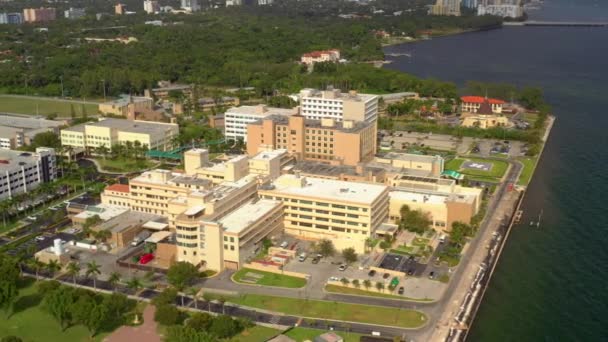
[117,194]
[320,56]
[471,104]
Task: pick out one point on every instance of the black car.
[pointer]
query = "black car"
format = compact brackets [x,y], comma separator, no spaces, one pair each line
[386,275]
[372,273]
[410,272]
[316,260]
[432,275]
[401,290]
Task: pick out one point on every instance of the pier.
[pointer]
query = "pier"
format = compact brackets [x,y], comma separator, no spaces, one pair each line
[558,23]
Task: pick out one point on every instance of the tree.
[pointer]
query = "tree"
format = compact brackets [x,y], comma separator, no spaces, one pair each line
[11,338]
[326,248]
[166,314]
[8,295]
[73,270]
[367,284]
[58,303]
[81,309]
[93,269]
[349,255]
[181,274]
[344,281]
[117,304]
[96,319]
[194,292]
[36,265]
[179,333]
[224,327]
[356,283]
[46,139]
[200,321]
[414,220]
[222,301]
[114,279]
[208,298]
[134,284]
[168,296]
[380,286]
[53,266]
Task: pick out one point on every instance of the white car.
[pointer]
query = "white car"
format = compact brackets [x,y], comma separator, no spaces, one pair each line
[40,238]
[31,218]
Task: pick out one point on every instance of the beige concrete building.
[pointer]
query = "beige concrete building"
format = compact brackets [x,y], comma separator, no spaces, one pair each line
[109,132]
[236,119]
[121,106]
[229,240]
[313,57]
[325,140]
[39,15]
[346,213]
[485,121]
[446,7]
[426,164]
[333,104]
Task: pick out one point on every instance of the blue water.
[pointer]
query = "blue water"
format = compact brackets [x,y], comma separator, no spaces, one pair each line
[551,284]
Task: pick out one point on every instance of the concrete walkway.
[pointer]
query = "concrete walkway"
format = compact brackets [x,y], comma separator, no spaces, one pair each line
[145,332]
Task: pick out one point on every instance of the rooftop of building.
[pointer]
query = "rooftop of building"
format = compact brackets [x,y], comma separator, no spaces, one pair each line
[247,215]
[335,94]
[328,189]
[221,167]
[28,123]
[480,99]
[342,126]
[132,126]
[318,168]
[104,211]
[261,111]
[11,159]
[418,197]
[411,157]
[129,219]
[124,100]
[265,155]
[9,132]
[118,188]
[319,53]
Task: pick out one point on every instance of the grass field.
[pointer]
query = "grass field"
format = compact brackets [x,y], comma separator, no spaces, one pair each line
[528,170]
[250,276]
[363,292]
[334,310]
[498,169]
[255,334]
[309,334]
[32,324]
[43,106]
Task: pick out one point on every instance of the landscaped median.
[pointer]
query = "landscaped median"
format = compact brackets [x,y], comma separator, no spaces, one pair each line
[334,310]
[361,292]
[251,276]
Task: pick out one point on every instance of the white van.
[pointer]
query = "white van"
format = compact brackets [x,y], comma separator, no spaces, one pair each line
[302,257]
[442,238]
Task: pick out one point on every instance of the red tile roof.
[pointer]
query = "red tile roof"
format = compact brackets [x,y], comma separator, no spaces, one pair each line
[317,54]
[118,187]
[480,99]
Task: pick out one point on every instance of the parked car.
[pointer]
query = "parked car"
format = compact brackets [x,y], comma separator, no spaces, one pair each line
[401,290]
[316,260]
[343,267]
[302,257]
[372,273]
[432,275]
[284,244]
[31,218]
[410,272]
[40,238]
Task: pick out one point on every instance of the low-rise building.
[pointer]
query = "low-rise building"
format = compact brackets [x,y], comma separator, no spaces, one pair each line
[347,213]
[121,105]
[446,7]
[428,165]
[471,104]
[332,103]
[501,10]
[120,9]
[38,15]
[11,18]
[236,119]
[21,172]
[345,142]
[485,116]
[19,131]
[151,6]
[313,57]
[74,13]
[109,132]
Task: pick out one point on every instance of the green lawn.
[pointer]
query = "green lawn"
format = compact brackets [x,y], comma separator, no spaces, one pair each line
[420,242]
[404,250]
[309,334]
[529,164]
[250,276]
[333,310]
[498,169]
[124,164]
[255,334]
[32,324]
[363,292]
[42,106]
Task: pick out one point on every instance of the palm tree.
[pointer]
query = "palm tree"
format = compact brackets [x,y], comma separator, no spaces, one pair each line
[367,283]
[194,292]
[380,286]
[344,281]
[207,297]
[114,279]
[73,270]
[356,283]
[53,266]
[134,284]
[36,265]
[93,269]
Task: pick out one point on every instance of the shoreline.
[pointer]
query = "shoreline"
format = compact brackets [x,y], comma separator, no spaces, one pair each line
[462,31]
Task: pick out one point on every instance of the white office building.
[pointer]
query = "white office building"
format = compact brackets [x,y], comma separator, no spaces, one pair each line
[151,6]
[317,104]
[74,13]
[236,119]
[21,172]
[190,5]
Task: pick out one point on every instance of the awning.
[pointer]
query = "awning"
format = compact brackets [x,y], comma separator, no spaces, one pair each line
[194,210]
[155,225]
[158,237]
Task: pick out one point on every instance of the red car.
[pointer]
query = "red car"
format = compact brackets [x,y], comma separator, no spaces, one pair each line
[146,258]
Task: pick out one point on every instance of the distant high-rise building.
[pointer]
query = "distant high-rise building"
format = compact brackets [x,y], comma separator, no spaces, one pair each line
[151,6]
[38,15]
[501,8]
[74,13]
[470,4]
[11,18]
[446,7]
[190,5]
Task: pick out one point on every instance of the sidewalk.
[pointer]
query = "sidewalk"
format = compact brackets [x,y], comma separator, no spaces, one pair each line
[146,332]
